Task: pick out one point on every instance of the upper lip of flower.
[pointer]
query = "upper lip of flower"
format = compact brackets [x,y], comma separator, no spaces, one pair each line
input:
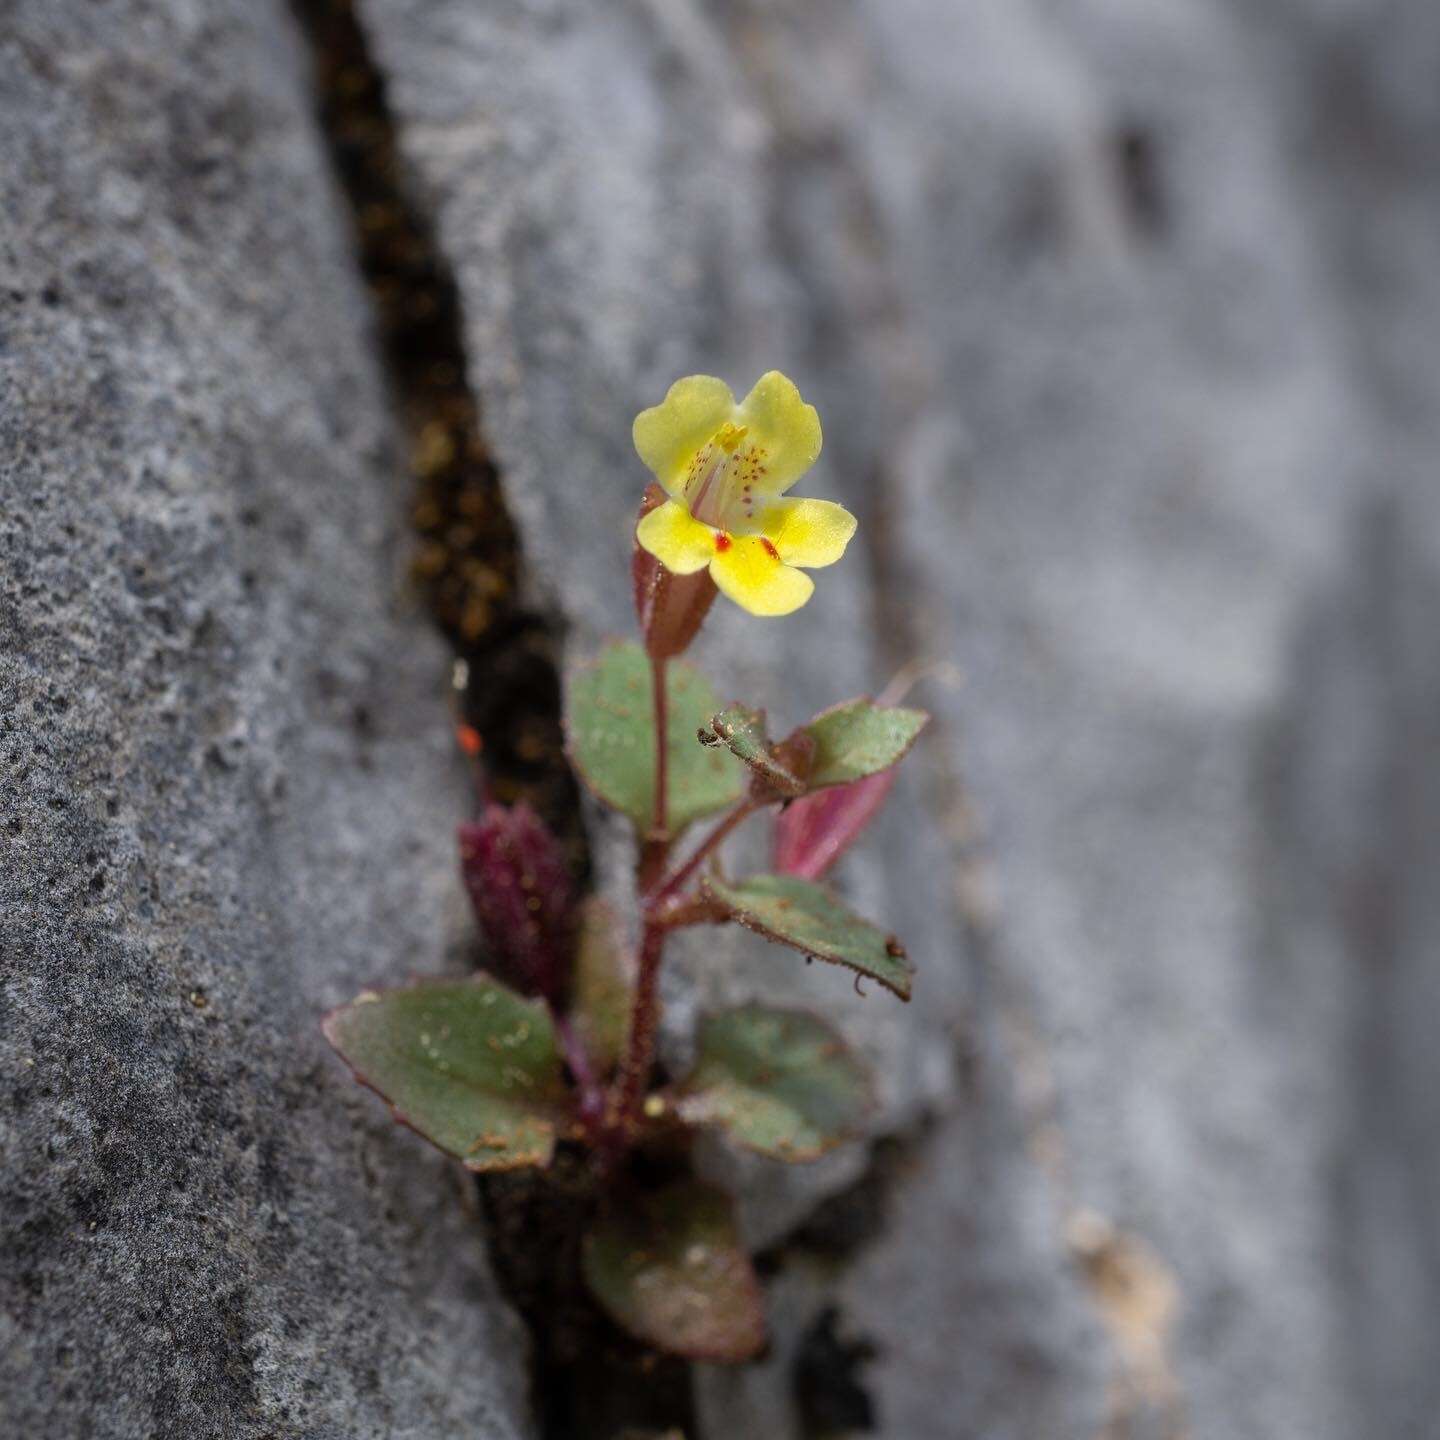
[725,468]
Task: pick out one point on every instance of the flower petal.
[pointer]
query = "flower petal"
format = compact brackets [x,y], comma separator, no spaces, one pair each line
[808,532]
[681,543]
[750,572]
[785,430]
[668,435]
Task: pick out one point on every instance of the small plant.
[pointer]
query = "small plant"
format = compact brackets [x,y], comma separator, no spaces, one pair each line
[557,1045]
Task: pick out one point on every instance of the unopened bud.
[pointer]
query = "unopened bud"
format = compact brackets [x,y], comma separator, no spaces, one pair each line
[669,607]
[515,874]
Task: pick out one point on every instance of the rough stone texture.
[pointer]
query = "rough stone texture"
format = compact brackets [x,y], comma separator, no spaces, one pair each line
[227,798]
[1122,319]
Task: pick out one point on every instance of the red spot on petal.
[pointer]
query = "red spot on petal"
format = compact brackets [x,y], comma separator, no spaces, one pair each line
[722,541]
[770,550]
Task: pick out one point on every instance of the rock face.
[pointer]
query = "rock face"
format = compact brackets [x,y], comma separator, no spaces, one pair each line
[1123,321]
[221,810]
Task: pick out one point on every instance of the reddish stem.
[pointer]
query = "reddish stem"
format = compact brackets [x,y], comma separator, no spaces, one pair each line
[624,1115]
[672,884]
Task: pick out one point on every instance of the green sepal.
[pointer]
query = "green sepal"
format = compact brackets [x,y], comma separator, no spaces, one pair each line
[669,1267]
[603,985]
[743,730]
[808,918]
[778,1081]
[609,722]
[859,738]
[468,1064]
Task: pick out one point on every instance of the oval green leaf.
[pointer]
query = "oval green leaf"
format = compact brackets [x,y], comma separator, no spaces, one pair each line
[611,739]
[809,919]
[778,1081]
[669,1267]
[860,738]
[468,1064]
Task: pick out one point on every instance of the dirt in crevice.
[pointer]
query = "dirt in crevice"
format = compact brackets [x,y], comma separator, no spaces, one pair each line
[827,1371]
[589,1381]
[467,567]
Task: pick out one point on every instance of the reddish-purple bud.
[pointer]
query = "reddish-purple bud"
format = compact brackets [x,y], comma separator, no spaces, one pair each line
[812,833]
[669,607]
[514,871]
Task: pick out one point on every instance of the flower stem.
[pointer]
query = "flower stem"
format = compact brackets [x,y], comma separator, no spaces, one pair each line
[624,1114]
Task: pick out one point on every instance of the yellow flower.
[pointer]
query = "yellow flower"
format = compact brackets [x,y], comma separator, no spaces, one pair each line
[725,468]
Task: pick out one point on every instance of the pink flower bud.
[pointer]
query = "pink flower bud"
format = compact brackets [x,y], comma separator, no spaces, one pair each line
[812,833]
[515,874]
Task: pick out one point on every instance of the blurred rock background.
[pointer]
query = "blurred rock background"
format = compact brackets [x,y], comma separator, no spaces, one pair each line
[1123,320]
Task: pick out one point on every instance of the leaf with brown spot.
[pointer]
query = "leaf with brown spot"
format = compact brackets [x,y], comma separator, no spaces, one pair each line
[808,918]
[468,1064]
[859,738]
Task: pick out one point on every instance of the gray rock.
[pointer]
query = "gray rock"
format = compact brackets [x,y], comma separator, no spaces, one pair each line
[1121,319]
[228,798]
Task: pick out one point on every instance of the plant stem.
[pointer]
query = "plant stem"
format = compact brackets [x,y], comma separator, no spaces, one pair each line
[671,884]
[660,823]
[624,1114]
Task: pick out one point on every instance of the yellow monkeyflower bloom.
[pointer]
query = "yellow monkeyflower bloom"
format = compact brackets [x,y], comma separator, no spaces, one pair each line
[725,468]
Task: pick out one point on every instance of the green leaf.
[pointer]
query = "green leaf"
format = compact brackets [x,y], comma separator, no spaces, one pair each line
[743,730]
[468,1064]
[797,913]
[779,1081]
[603,986]
[860,738]
[669,1267]
[609,722]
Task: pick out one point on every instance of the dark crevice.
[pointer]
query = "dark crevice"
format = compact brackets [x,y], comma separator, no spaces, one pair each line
[589,1382]
[827,1373]
[468,566]
[830,1394]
